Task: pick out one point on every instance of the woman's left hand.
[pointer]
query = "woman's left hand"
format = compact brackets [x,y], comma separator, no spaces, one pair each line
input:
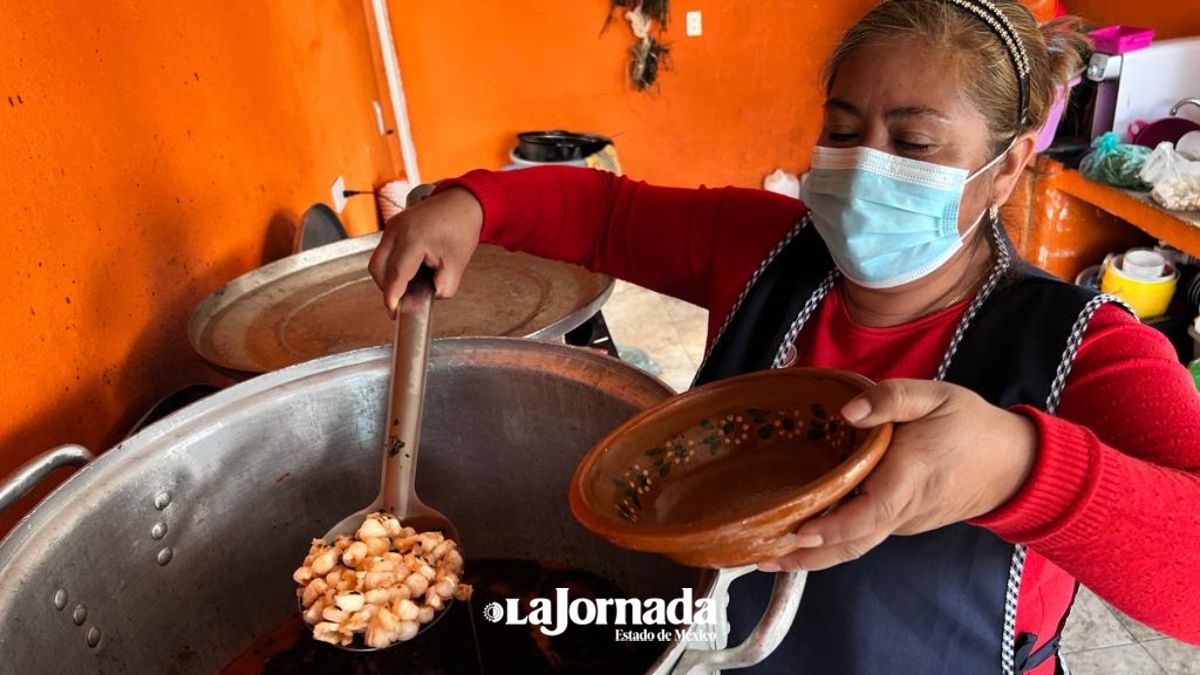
[953,457]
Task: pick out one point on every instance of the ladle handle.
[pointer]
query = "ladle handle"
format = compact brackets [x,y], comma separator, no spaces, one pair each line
[774,625]
[407,394]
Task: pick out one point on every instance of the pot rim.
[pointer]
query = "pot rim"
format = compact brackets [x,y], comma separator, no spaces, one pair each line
[69,500]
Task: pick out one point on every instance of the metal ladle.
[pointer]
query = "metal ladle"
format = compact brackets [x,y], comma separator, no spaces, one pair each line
[397,493]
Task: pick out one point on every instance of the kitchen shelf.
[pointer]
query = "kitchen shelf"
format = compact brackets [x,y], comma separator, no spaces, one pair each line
[1180,229]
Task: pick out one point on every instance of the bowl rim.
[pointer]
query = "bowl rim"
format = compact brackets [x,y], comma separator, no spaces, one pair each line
[660,538]
[1115,269]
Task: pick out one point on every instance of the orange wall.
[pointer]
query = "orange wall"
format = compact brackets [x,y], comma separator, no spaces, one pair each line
[1168,18]
[740,100]
[148,154]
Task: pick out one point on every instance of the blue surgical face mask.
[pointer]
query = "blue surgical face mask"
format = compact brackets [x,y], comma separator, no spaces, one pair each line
[887,220]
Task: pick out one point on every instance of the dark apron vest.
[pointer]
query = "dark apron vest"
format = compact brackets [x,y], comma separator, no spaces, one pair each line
[936,602]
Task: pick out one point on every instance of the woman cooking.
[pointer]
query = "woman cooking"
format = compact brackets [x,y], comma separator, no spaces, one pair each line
[1045,437]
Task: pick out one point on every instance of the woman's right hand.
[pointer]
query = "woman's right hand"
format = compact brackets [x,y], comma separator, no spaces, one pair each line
[441,231]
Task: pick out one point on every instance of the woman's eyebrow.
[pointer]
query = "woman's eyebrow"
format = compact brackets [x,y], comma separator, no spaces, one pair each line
[844,105]
[904,111]
[917,111]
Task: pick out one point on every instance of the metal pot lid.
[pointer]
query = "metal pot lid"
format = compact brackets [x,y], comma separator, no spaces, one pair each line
[323,301]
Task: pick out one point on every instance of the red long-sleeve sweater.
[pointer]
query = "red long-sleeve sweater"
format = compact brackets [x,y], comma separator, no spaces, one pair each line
[1114,498]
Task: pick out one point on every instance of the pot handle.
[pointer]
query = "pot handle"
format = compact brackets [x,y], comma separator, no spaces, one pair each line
[774,625]
[29,474]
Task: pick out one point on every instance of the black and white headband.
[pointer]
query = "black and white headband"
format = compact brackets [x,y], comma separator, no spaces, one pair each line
[1003,28]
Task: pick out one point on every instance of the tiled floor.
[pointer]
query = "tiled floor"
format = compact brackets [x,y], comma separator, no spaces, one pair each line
[666,337]
[661,334]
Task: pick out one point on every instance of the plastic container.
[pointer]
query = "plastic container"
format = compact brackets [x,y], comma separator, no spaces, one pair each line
[783,183]
[1189,146]
[1144,264]
[1121,39]
[1089,278]
[1148,299]
[1054,116]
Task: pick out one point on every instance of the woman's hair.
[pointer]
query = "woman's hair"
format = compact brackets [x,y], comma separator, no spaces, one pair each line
[985,69]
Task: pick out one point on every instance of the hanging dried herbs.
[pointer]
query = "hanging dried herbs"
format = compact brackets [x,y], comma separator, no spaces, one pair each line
[649,56]
[655,9]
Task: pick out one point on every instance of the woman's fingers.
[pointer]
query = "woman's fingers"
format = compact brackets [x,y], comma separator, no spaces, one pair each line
[953,457]
[895,401]
[884,503]
[377,266]
[394,272]
[401,268]
[880,507]
[447,279]
[825,557]
[440,231]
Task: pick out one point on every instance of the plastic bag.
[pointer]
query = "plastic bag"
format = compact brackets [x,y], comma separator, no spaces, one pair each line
[1175,178]
[1115,163]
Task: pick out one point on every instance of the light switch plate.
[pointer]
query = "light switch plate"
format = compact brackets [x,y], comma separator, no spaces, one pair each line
[338,195]
[695,24]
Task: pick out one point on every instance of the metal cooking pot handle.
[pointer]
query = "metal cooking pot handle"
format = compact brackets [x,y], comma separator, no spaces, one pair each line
[774,625]
[29,474]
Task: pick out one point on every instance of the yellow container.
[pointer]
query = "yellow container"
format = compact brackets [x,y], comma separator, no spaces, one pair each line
[1148,297]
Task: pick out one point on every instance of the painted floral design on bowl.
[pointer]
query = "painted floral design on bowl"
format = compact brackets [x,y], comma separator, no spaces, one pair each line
[712,438]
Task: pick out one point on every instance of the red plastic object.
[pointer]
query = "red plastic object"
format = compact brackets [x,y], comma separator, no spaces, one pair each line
[1170,129]
[1121,39]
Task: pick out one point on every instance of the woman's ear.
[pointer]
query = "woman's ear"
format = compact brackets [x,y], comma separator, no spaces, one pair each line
[1009,170]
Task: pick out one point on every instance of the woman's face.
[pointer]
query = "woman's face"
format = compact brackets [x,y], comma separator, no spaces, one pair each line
[904,99]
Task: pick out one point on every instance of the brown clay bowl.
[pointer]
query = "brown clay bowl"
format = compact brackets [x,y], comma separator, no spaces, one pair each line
[721,475]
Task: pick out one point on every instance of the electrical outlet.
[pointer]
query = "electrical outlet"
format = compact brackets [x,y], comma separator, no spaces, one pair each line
[338,195]
[695,24]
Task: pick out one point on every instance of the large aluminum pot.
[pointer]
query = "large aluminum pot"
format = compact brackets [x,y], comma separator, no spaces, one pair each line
[173,551]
